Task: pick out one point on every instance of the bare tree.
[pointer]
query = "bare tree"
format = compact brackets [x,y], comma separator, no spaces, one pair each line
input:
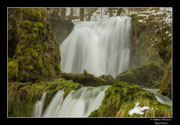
[119,11]
[110,12]
[89,13]
[63,12]
[81,14]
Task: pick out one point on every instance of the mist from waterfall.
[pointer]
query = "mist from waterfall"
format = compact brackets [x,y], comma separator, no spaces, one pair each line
[100,47]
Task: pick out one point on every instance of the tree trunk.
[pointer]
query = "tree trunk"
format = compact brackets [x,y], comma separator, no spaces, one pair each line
[81,14]
[110,12]
[63,12]
[119,11]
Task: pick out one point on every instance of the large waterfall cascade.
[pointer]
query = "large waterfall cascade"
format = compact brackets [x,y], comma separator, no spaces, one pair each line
[78,103]
[100,47]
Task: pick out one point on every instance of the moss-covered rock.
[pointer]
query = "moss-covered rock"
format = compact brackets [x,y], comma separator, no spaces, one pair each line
[146,76]
[120,98]
[13,70]
[23,96]
[32,45]
[166,83]
[88,79]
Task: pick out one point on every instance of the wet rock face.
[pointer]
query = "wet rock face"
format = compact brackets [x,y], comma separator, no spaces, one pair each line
[32,45]
[61,28]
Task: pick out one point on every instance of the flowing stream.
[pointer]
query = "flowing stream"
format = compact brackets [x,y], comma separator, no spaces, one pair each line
[100,47]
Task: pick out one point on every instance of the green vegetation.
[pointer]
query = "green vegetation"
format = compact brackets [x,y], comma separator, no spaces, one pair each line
[23,96]
[148,75]
[166,82]
[144,49]
[32,45]
[121,97]
[13,70]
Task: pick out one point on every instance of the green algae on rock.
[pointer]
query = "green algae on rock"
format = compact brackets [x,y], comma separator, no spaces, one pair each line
[121,97]
[145,76]
[23,96]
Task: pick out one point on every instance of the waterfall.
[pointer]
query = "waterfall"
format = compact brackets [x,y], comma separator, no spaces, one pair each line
[39,106]
[78,103]
[100,47]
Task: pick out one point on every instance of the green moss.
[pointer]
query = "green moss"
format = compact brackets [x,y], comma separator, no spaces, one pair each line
[41,26]
[35,29]
[12,70]
[27,24]
[33,35]
[58,68]
[94,113]
[29,67]
[40,62]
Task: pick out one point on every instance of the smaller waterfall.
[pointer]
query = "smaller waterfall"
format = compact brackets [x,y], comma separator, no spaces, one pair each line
[54,105]
[159,97]
[39,106]
[78,103]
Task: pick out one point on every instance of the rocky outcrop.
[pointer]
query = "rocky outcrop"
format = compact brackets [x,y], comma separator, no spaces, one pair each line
[146,75]
[33,51]
[122,97]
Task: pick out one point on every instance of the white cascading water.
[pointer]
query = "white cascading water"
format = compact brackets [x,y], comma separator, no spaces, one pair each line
[39,106]
[78,103]
[100,47]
